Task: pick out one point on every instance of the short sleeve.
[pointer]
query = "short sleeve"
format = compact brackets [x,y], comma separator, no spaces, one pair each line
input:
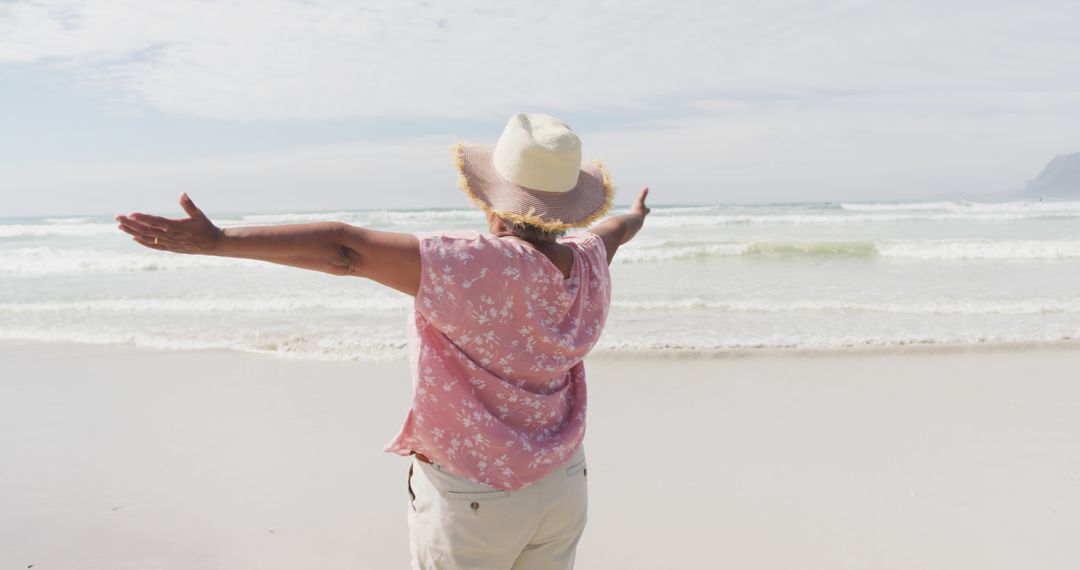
[592,246]
[448,272]
[596,244]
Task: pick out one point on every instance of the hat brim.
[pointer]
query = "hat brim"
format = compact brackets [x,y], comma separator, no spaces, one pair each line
[589,200]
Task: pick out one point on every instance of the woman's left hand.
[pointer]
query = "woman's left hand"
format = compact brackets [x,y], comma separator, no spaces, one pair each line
[194,234]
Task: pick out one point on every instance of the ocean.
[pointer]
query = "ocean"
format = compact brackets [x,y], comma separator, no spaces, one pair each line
[698,279]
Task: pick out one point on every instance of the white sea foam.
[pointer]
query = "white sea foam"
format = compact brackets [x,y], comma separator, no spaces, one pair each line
[403,219]
[378,218]
[1062,207]
[68,221]
[682,210]
[618,348]
[982,249]
[384,345]
[921,250]
[366,305]
[668,251]
[56,229]
[922,307]
[292,217]
[398,305]
[674,250]
[37,261]
[358,347]
[840,217]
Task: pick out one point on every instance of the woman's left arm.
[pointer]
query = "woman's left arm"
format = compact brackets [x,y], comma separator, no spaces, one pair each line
[389,258]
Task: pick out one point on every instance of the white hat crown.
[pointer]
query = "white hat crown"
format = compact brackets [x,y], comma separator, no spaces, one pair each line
[539,152]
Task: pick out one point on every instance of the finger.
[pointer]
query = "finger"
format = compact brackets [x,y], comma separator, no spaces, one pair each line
[133,227]
[156,240]
[150,243]
[151,220]
[189,206]
[166,243]
[131,230]
[640,202]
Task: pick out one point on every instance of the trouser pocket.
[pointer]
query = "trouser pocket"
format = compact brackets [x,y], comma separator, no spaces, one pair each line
[459,523]
[460,494]
[576,468]
[474,500]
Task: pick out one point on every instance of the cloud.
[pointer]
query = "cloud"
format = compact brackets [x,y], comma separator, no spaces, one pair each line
[856,149]
[769,152]
[317,59]
[414,172]
[705,101]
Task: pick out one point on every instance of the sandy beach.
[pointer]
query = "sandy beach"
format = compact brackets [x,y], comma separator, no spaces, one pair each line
[820,261]
[131,458]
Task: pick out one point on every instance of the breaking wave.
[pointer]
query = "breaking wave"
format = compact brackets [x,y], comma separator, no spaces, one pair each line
[924,250]
[925,307]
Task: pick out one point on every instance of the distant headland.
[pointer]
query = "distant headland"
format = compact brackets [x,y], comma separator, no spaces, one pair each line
[1060,178]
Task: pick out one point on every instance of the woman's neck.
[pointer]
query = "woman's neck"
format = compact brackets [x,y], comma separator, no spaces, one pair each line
[534,241]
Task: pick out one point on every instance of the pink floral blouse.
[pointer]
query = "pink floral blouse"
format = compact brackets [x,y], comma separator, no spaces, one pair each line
[496,342]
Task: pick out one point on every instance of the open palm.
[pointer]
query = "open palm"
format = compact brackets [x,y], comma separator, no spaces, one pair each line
[194,234]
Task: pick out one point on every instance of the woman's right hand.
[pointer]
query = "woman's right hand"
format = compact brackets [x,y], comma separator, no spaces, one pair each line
[620,229]
[639,206]
[195,234]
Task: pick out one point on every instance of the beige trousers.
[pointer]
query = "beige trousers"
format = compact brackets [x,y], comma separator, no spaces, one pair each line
[455,523]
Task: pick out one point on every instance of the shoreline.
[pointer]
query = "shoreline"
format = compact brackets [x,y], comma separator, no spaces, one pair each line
[657,353]
[913,348]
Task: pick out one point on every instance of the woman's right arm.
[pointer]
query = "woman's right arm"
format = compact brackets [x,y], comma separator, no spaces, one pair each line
[390,258]
[618,230]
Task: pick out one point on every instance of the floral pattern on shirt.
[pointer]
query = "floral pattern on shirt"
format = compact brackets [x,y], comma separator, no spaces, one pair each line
[496,342]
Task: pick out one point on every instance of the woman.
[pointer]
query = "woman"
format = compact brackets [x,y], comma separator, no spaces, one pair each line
[500,325]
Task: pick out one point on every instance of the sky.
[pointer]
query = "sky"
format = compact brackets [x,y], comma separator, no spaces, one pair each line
[315,105]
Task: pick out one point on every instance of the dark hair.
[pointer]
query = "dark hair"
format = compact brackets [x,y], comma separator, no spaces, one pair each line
[532,232]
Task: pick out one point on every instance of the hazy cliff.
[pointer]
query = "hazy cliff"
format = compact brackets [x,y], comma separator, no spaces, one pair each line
[1061,177]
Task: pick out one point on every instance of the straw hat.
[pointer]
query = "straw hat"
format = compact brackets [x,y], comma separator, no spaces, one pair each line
[534,175]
